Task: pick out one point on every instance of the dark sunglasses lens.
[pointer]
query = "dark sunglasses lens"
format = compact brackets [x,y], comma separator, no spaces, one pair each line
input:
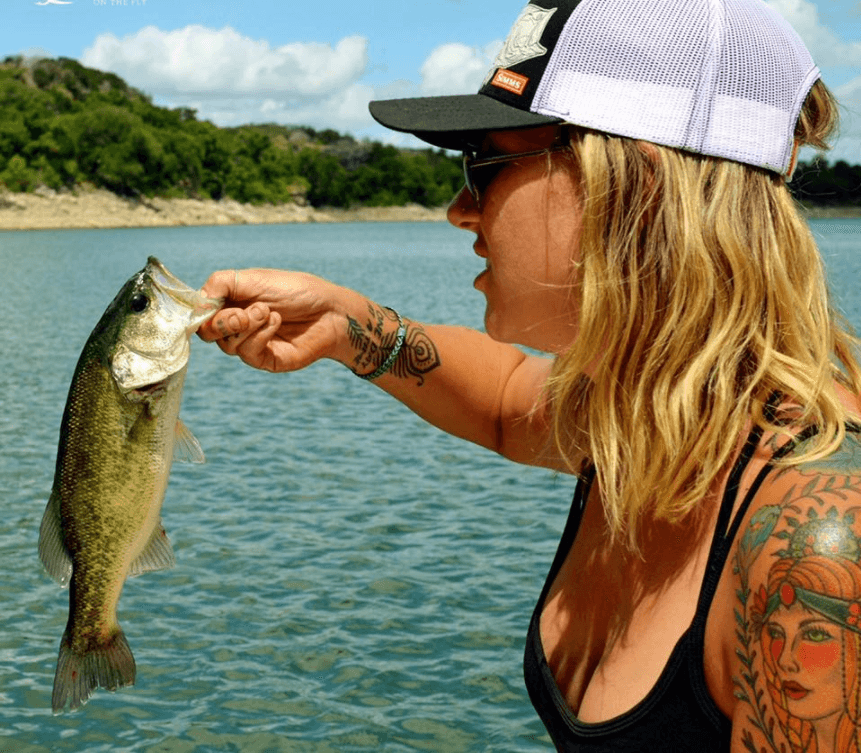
[479,177]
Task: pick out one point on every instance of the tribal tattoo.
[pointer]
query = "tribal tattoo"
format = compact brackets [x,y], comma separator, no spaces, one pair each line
[798,618]
[373,344]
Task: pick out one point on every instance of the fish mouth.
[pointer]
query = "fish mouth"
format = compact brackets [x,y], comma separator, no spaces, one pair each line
[202,308]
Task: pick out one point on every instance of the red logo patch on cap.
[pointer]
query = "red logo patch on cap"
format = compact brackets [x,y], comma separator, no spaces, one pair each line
[510,81]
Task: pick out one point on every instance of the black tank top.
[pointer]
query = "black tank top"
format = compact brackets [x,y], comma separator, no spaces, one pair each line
[678,714]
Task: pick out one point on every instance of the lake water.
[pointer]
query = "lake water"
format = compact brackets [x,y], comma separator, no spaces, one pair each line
[347,579]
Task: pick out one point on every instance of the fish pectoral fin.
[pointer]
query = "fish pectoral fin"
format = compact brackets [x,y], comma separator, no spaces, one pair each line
[186,448]
[52,549]
[157,554]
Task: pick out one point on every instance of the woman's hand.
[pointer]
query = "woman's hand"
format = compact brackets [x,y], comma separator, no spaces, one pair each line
[275,320]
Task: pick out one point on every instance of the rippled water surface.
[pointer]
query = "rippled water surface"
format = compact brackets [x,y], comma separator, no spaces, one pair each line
[347,579]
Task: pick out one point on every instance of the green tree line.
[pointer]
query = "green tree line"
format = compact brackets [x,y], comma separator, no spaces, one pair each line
[821,184]
[62,124]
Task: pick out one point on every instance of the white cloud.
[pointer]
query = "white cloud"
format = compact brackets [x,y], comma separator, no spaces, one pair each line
[826,47]
[233,79]
[196,60]
[456,69]
[345,110]
[830,51]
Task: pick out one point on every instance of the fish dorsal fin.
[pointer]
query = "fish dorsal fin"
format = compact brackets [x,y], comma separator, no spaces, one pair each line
[52,550]
[186,448]
[157,554]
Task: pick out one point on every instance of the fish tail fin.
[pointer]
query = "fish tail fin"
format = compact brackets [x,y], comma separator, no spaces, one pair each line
[108,664]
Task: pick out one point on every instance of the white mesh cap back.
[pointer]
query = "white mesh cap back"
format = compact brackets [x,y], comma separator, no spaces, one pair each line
[725,78]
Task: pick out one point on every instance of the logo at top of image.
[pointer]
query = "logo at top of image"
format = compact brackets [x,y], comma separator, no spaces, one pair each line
[55,2]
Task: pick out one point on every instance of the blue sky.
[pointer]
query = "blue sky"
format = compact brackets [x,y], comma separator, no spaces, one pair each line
[241,61]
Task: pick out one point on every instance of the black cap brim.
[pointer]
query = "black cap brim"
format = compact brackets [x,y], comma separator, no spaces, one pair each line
[454,122]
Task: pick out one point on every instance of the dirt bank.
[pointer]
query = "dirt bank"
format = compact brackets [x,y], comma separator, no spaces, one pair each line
[95,208]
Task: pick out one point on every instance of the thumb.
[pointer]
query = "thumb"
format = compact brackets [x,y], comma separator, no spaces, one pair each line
[221,284]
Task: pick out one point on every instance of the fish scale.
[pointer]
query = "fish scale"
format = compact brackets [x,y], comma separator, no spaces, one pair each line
[119,434]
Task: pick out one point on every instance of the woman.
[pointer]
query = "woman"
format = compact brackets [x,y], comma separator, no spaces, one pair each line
[808,617]
[625,167]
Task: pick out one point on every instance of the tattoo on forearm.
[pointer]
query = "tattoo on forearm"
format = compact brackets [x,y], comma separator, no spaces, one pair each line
[373,344]
[799,625]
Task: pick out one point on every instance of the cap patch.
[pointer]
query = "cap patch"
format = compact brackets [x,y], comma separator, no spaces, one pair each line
[524,39]
[510,81]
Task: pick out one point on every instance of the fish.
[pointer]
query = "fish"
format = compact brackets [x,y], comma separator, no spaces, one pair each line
[119,435]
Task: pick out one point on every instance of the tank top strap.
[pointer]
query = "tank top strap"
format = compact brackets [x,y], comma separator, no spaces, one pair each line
[728,524]
[572,526]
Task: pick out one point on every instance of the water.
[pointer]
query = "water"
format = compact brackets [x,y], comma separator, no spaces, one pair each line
[347,579]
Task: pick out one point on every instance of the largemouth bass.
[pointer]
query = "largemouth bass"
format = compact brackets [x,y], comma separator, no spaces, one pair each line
[119,434]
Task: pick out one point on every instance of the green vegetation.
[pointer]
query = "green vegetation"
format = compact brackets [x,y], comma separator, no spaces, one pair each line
[62,124]
[819,184]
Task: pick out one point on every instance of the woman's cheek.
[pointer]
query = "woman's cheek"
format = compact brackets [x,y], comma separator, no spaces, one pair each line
[777,649]
[818,655]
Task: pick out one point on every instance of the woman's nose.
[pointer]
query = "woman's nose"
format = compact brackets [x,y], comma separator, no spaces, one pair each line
[787,661]
[463,211]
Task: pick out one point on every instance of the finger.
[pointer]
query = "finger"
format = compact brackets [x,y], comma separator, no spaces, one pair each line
[255,349]
[226,284]
[222,284]
[225,323]
[256,316]
[234,324]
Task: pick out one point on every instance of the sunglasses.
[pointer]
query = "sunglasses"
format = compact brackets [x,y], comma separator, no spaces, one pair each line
[478,182]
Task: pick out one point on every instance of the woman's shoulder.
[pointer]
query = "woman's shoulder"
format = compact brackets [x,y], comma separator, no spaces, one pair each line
[791,592]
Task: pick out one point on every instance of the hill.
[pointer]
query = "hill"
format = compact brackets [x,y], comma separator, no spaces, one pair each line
[63,125]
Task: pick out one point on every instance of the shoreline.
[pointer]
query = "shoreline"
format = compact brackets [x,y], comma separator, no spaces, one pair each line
[92,208]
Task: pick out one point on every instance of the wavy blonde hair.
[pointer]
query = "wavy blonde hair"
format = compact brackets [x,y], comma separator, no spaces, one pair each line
[700,293]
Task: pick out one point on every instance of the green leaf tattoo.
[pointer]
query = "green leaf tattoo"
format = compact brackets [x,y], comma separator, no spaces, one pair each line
[798,630]
[373,344]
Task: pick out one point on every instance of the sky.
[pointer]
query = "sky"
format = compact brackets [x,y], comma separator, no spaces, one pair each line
[319,64]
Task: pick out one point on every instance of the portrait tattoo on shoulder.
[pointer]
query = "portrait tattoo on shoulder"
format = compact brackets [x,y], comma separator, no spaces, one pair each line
[373,343]
[798,618]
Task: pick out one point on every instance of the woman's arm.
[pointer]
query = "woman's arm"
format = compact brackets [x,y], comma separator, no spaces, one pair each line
[458,379]
[787,614]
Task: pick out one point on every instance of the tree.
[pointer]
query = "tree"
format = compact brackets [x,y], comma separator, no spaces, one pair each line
[17,176]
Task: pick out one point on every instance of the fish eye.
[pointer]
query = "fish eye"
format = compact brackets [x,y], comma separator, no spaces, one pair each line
[139,303]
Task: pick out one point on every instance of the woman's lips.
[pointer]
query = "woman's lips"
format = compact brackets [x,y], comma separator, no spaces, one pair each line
[478,248]
[794,691]
[480,277]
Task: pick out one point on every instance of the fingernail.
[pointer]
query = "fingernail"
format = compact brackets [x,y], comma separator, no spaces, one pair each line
[234,322]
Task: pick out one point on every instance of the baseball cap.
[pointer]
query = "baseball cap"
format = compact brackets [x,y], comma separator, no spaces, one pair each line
[726,78]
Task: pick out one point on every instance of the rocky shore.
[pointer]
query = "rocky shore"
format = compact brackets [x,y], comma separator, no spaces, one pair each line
[95,208]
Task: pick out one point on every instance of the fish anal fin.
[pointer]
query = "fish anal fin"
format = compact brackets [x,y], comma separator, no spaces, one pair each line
[109,665]
[186,448]
[52,549]
[156,555]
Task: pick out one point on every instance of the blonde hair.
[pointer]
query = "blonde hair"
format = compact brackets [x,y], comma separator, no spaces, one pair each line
[700,293]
